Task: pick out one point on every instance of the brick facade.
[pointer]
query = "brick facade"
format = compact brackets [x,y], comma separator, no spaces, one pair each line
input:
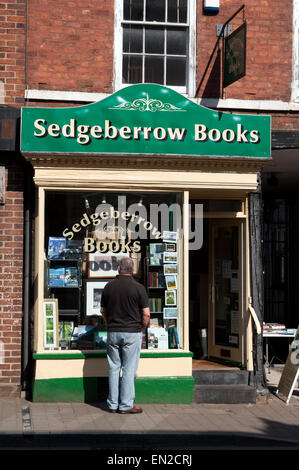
[72,48]
[12,89]
[269,50]
[69,46]
[11,276]
[12,51]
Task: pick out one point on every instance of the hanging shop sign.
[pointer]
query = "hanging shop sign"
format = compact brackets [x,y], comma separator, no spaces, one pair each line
[144,120]
[234,56]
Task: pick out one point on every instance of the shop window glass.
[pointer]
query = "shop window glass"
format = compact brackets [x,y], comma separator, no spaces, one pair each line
[83,243]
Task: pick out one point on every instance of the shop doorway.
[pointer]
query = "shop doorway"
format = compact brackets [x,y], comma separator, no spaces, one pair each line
[216,293]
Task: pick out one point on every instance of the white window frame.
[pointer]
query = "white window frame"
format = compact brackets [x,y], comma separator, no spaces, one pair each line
[190,88]
[295,58]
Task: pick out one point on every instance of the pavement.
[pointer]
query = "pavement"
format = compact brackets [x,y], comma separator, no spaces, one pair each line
[270,424]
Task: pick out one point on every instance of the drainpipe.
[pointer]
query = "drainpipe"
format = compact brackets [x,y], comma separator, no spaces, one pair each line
[26,362]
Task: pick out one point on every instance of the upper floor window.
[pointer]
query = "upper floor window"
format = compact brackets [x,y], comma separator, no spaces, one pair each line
[155,43]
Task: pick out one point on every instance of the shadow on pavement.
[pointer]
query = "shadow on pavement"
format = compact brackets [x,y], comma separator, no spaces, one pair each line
[150,441]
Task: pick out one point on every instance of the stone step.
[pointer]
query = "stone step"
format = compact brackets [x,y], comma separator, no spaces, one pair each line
[221,377]
[231,394]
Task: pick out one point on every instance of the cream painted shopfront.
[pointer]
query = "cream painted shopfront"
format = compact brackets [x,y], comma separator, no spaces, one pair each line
[149,174]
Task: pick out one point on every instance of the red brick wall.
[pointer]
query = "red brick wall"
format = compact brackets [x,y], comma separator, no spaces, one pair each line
[269,50]
[11,277]
[12,51]
[70,45]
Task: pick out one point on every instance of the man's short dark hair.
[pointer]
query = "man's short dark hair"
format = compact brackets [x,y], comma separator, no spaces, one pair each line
[126,266]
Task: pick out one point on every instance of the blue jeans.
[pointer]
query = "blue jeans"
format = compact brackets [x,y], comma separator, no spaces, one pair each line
[123,352]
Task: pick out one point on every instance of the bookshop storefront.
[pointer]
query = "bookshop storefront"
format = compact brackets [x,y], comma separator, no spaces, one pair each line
[145,173]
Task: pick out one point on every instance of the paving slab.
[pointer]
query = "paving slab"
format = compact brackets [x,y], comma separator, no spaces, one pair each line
[269,423]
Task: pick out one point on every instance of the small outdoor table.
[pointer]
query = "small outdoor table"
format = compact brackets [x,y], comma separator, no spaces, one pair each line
[286,333]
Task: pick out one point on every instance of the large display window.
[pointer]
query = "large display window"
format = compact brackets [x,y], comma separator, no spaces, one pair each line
[86,234]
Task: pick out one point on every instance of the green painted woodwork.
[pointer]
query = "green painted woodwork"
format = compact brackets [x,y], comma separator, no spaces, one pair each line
[164,390]
[92,389]
[144,119]
[98,354]
[76,389]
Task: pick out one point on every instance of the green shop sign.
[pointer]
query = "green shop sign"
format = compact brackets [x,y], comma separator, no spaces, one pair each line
[144,119]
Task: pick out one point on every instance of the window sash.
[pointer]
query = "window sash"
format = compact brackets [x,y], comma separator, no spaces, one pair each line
[166,12]
[126,54]
[189,87]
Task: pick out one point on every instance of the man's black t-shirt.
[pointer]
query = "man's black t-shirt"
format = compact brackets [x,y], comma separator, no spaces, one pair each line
[124,298]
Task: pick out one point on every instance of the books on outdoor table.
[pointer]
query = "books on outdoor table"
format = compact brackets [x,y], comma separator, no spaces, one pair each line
[274,326]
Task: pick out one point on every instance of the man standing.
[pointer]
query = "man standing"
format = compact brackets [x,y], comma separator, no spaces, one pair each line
[125,309]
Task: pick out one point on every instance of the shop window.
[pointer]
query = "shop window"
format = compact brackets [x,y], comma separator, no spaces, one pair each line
[83,244]
[155,43]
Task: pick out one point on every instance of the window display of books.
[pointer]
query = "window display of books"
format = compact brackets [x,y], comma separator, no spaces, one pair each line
[156,254]
[156,279]
[65,333]
[157,338]
[61,249]
[163,274]
[173,336]
[88,337]
[155,305]
[60,276]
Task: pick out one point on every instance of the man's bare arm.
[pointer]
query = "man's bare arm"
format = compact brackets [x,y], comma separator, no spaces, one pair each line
[145,317]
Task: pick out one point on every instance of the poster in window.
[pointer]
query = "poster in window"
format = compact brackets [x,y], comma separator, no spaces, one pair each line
[156,254]
[170,257]
[93,294]
[104,265]
[51,330]
[171,282]
[170,297]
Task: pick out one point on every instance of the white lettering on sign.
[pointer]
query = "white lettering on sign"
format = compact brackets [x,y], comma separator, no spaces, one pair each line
[241,135]
[84,133]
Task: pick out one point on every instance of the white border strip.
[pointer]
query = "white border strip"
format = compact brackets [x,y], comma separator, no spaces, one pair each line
[74,96]
[56,95]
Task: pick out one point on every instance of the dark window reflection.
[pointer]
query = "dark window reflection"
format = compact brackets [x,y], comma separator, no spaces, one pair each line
[132,39]
[132,69]
[176,71]
[133,10]
[154,41]
[155,10]
[176,41]
[154,70]
[177,11]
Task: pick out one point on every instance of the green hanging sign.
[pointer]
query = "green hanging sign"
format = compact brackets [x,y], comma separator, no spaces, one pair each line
[234,56]
[144,119]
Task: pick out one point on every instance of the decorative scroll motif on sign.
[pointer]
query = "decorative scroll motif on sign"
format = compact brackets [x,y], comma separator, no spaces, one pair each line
[147,104]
